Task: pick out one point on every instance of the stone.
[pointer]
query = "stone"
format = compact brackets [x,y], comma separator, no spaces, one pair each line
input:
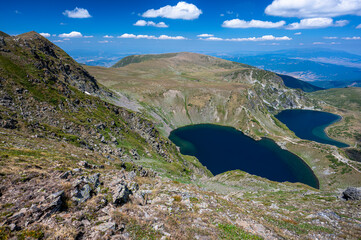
[103,140]
[14,227]
[87,165]
[329,215]
[19,90]
[134,154]
[121,194]
[19,214]
[133,187]
[94,180]
[66,174]
[10,123]
[351,193]
[106,226]
[114,140]
[132,175]
[141,197]
[83,194]
[84,164]
[57,204]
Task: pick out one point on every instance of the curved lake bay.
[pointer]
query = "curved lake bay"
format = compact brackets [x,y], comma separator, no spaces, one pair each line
[223,149]
[310,125]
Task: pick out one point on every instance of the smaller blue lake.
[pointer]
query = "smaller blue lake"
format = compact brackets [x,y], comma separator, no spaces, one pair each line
[310,125]
[223,149]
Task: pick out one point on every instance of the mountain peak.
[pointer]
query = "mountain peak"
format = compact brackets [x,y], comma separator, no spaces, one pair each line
[30,35]
[185,59]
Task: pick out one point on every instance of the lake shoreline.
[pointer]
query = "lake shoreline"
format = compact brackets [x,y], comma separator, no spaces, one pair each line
[264,158]
[311,125]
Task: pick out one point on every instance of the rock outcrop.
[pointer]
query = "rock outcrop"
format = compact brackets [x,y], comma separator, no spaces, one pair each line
[351,193]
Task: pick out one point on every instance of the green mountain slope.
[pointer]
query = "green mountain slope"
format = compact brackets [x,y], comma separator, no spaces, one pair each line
[346,98]
[73,166]
[46,92]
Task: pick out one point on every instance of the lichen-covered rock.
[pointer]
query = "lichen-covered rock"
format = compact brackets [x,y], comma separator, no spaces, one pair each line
[94,180]
[83,194]
[351,193]
[121,194]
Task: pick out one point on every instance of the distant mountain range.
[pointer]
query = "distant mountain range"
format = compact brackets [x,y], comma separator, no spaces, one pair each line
[324,67]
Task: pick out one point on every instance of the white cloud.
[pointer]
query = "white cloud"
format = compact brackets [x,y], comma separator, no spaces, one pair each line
[45,34]
[311,23]
[250,39]
[182,10]
[142,23]
[351,38]
[314,8]
[359,26]
[237,23]
[318,43]
[161,37]
[126,35]
[105,41]
[341,23]
[77,13]
[269,44]
[335,43]
[297,33]
[73,34]
[205,35]
[90,36]
[330,37]
[173,38]
[213,39]
[17,12]
[108,36]
[58,41]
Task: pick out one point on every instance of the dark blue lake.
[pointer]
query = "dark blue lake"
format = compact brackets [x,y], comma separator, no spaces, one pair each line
[223,149]
[310,125]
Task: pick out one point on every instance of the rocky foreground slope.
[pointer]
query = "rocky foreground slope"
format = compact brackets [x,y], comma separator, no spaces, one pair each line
[72,166]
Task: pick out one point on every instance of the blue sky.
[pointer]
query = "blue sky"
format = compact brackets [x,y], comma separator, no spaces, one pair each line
[171,26]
